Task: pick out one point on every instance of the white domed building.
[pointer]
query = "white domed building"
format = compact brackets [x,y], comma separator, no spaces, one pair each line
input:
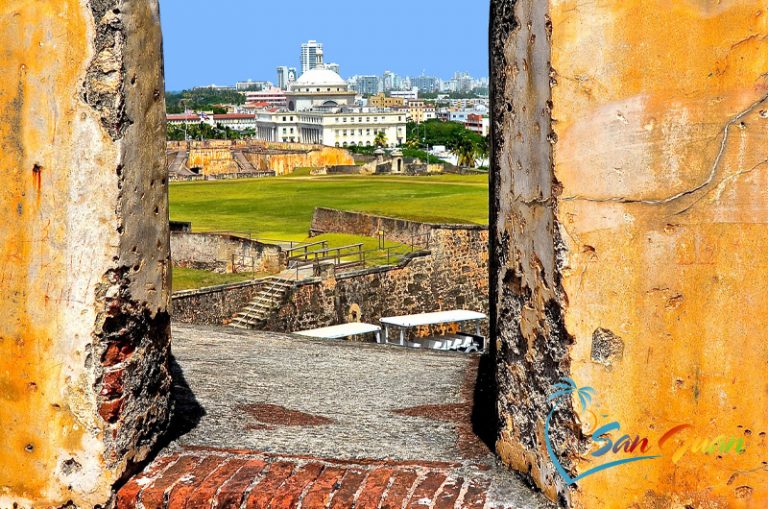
[321,111]
[319,89]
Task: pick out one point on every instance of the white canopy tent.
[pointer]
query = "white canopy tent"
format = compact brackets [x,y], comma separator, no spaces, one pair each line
[343,331]
[402,323]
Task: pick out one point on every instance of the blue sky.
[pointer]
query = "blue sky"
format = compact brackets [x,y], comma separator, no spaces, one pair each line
[223,41]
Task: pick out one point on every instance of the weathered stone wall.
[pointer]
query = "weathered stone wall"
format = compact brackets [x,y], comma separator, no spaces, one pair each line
[452,275]
[216,157]
[326,220]
[215,305]
[284,162]
[224,253]
[629,232]
[84,334]
[212,161]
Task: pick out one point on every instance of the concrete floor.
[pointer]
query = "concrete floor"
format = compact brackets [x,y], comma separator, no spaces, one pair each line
[282,394]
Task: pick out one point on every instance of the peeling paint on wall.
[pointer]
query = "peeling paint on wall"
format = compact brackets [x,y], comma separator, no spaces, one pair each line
[629,199]
[87,196]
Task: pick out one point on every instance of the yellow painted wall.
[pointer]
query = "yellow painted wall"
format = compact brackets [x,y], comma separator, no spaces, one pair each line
[662,154]
[83,239]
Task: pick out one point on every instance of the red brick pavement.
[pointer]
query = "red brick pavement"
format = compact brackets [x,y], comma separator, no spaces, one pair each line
[218,479]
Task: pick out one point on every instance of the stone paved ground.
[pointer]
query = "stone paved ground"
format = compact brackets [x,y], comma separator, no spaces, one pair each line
[271,420]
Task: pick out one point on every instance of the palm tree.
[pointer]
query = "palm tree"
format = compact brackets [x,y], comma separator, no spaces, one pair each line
[483,149]
[380,140]
[464,149]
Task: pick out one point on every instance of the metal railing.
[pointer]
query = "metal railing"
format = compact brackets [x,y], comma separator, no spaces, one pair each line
[335,254]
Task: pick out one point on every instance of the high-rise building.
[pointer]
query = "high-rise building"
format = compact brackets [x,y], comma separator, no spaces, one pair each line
[462,82]
[389,81]
[427,84]
[368,85]
[334,67]
[311,56]
[282,77]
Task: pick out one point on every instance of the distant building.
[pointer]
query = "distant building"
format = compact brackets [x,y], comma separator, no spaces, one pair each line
[311,56]
[427,84]
[481,124]
[405,94]
[333,67]
[420,111]
[177,119]
[389,81]
[285,76]
[319,88]
[382,101]
[236,121]
[214,87]
[321,111]
[462,82]
[242,86]
[269,98]
[368,85]
[282,77]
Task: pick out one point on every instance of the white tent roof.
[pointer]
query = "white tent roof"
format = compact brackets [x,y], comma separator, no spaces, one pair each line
[456,315]
[340,331]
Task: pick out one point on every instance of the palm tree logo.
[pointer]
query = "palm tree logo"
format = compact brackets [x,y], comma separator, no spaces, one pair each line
[566,387]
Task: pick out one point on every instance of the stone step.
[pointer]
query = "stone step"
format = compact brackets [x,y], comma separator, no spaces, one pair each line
[270,297]
[252,310]
[245,315]
[262,304]
[245,323]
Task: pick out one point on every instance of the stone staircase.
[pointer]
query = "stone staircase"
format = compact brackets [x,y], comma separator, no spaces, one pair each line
[269,298]
[243,164]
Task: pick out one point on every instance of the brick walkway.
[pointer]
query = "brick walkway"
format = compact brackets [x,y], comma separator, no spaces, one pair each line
[229,479]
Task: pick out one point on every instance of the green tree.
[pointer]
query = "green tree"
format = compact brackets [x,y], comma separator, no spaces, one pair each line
[483,149]
[465,149]
[201,99]
[380,140]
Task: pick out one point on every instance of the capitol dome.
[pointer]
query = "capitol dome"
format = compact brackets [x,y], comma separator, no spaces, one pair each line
[323,77]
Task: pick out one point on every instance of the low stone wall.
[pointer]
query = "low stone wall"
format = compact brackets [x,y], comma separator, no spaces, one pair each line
[218,157]
[283,161]
[221,176]
[453,274]
[325,220]
[224,253]
[213,306]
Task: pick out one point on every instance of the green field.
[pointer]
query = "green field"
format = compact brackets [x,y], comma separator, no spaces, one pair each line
[281,208]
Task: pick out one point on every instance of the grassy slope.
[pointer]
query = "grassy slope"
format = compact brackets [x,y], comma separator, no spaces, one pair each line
[281,208]
[187,279]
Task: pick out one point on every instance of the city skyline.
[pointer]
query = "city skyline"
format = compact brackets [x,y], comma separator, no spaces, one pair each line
[429,40]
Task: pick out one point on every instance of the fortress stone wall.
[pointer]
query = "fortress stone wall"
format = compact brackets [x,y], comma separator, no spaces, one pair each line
[225,253]
[630,220]
[84,254]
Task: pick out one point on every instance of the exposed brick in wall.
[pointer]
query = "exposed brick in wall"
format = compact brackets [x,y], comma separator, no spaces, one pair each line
[84,255]
[224,253]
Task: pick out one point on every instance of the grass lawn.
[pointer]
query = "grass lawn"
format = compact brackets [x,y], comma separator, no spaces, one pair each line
[187,279]
[281,208]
